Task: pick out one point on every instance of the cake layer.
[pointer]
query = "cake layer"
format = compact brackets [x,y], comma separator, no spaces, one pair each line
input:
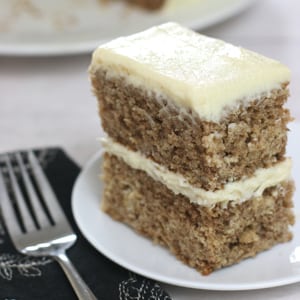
[207,75]
[204,238]
[234,192]
[207,154]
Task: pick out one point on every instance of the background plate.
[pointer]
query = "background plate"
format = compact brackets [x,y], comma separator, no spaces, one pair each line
[277,266]
[34,27]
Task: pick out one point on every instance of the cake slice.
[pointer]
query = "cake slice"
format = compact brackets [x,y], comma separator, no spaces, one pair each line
[195,148]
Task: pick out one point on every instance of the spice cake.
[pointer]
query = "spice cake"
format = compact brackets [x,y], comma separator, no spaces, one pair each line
[195,148]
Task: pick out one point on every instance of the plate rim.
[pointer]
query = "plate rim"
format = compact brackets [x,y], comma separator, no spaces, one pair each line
[165,279]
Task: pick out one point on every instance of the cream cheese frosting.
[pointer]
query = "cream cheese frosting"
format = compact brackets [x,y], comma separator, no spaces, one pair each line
[237,192]
[198,72]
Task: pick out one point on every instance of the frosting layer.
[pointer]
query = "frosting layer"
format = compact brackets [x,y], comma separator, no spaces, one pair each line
[237,192]
[197,72]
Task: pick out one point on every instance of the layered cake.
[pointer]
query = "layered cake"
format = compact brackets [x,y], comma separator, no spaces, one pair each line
[195,147]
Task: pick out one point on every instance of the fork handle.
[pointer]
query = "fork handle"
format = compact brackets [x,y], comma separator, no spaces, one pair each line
[81,289]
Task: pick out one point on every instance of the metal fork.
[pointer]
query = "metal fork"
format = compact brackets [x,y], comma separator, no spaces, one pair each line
[42,230]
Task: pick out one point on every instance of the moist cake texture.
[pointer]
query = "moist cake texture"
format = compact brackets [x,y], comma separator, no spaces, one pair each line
[197,132]
[237,191]
[208,154]
[206,238]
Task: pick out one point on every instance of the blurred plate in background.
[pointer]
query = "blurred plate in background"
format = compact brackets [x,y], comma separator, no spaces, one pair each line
[34,27]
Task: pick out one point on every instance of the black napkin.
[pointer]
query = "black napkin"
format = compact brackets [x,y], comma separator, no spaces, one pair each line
[23,277]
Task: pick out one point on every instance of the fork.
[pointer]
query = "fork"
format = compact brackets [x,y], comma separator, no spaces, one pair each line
[38,226]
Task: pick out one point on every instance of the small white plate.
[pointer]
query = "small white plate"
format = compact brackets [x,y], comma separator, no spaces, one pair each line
[34,27]
[275,267]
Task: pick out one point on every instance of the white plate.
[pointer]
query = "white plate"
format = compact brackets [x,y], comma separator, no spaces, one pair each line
[35,27]
[277,266]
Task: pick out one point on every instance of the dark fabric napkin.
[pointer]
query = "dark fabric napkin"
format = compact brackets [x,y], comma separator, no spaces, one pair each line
[23,277]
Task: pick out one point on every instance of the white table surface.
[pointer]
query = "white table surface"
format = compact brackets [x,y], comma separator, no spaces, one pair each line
[47,101]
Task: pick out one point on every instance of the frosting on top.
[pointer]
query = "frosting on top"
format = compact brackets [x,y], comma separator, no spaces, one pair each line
[197,72]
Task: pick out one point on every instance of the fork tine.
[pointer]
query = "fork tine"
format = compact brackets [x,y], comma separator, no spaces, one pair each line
[38,210]
[20,201]
[55,210]
[8,212]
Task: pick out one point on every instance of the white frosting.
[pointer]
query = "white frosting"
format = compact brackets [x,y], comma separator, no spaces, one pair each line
[237,191]
[196,71]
